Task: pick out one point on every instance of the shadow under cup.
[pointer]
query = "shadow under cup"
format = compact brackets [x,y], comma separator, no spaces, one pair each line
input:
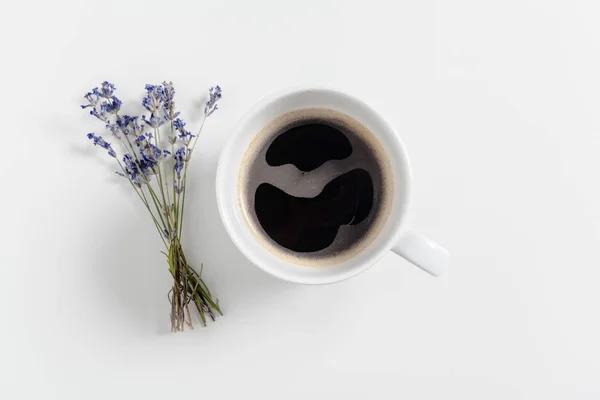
[320,218]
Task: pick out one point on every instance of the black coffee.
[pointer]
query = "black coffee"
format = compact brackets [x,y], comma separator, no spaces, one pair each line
[311,224]
[313,186]
[308,146]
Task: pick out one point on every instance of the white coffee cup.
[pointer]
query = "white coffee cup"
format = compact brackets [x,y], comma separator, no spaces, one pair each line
[393,235]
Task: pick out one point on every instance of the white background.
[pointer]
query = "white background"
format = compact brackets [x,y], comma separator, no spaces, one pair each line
[498,103]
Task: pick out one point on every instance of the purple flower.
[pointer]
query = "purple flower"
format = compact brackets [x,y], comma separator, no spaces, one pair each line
[185,136]
[211,104]
[114,129]
[138,170]
[102,116]
[111,106]
[153,122]
[154,99]
[140,140]
[168,102]
[130,164]
[102,102]
[98,141]
[141,163]
[181,156]
[92,99]
[125,120]
[147,168]
[152,153]
[128,125]
[179,124]
[106,90]
[132,170]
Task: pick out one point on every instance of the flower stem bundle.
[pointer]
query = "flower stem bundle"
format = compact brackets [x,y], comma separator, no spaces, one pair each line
[156,151]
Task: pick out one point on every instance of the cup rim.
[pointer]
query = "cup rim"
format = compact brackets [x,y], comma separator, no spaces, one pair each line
[222,169]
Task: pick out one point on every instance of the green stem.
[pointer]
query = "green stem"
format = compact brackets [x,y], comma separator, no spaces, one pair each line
[142,196]
[172,141]
[188,286]
[164,169]
[185,168]
[159,177]
[159,210]
[130,148]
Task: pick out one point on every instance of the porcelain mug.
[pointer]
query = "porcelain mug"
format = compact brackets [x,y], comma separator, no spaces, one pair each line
[393,235]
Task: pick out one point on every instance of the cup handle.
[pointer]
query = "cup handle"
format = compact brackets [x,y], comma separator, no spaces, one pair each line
[423,252]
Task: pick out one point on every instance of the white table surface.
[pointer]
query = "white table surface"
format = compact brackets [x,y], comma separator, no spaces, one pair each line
[498,103]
